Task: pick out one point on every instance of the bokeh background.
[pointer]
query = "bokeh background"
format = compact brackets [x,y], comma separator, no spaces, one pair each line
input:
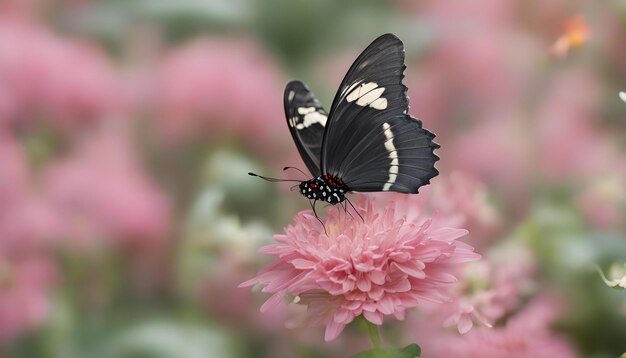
[127,127]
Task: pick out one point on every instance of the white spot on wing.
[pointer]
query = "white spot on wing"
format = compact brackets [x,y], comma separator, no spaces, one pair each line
[305,110]
[371,96]
[311,116]
[380,104]
[393,154]
[350,88]
[360,91]
[291,94]
[367,94]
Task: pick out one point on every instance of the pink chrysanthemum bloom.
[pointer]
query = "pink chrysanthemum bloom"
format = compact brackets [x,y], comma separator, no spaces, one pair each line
[526,334]
[489,289]
[381,265]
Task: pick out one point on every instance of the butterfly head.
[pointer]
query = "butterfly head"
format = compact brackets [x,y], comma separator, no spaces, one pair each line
[326,188]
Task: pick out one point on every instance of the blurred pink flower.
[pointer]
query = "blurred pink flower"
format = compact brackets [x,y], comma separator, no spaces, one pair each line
[41,74]
[467,51]
[430,95]
[239,310]
[214,86]
[23,294]
[31,225]
[27,220]
[380,266]
[570,144]
[497,152]
[488,290]
[603,201]
[464,315]
[475,15]
[527,334]
[103,192]
[459,200]
[14,172]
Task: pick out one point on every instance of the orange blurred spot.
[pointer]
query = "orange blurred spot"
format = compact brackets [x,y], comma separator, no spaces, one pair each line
[576,33]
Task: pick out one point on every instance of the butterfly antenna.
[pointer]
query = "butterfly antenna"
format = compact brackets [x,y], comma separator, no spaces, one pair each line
[293,187]
[357,212]
[274,180]
[317,217]
[303,173]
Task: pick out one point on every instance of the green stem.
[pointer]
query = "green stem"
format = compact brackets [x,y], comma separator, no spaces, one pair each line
[372,329]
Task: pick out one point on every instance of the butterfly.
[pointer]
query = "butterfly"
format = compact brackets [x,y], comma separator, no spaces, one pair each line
[367,142]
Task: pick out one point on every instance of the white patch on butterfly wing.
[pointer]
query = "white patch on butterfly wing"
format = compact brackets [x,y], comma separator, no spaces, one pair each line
[305,110]
[380,104]
[393,154]
[360,91]
[349,88]
[311,116]
[291,95]
[367,98]
[367,94]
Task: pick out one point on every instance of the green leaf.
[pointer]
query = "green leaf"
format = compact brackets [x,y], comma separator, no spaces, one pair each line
[410,351]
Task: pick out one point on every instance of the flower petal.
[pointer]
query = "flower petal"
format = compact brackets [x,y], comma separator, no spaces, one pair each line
[411,269]
[273,301]
[333,329]
[302,264]
[465,324]
[374,317]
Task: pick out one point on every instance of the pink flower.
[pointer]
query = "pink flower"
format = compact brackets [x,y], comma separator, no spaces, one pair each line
[67,81]
[602,201]
[465,316]
[377,267]
[488,290]
[571,146]
[459,200]
[213,86]
[503,160]
[23,294]
[526,334]
[27,220]
[104,192]
[31,225]
[14,172]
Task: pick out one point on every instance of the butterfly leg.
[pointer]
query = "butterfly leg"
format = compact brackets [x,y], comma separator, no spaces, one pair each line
[345,210]
[316,216]
[357,212]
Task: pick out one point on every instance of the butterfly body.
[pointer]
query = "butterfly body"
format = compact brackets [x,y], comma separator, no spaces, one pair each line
[327,188]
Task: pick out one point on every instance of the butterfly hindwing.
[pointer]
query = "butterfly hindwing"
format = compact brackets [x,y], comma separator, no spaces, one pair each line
[306,119]
[370,140]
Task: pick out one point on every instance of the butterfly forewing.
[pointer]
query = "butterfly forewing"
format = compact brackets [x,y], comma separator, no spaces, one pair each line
[306,119]
[370,140]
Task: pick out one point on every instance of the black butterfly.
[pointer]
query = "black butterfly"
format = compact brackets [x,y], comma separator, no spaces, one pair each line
[367,142]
